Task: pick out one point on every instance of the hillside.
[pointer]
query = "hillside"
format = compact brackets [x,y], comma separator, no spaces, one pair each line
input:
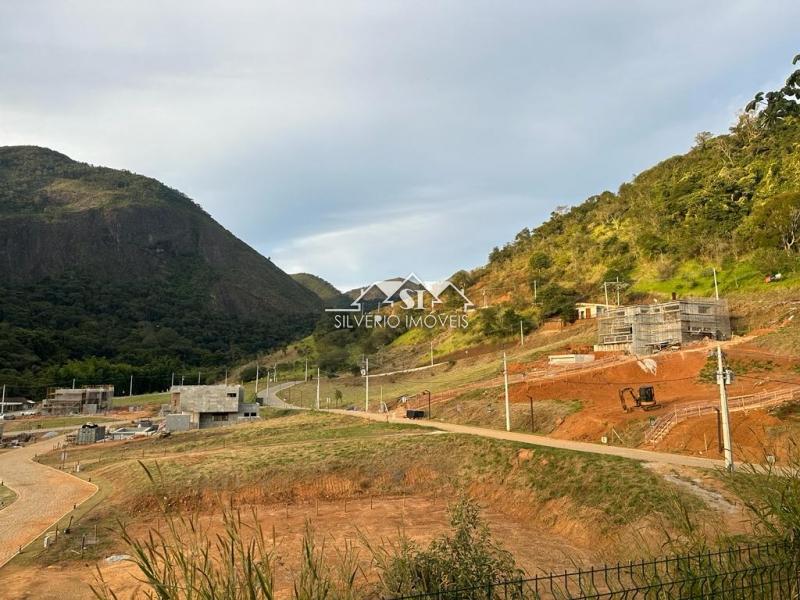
[103,263]
[731,202]
[324,290]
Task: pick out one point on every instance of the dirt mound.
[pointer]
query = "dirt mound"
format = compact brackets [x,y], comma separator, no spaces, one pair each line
[755,435]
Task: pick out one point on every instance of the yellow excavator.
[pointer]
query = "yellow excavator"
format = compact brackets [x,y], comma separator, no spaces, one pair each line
[645,399]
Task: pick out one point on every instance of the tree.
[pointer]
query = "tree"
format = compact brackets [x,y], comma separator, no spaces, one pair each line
[702,138]
[773,107]
[558,301]
[776,223]
[540,261]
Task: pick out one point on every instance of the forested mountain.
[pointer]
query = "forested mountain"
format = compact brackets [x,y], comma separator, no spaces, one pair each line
[107,273]
[732,202]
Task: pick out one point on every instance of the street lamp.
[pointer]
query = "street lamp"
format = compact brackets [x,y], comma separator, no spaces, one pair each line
[429,401]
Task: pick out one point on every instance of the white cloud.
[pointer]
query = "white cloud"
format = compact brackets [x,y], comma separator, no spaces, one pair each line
[306,128]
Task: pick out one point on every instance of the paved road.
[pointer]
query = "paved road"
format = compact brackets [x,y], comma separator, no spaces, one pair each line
[540,440]
[44,495]
[272,400]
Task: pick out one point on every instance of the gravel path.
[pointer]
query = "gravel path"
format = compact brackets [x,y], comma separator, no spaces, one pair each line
[44,495]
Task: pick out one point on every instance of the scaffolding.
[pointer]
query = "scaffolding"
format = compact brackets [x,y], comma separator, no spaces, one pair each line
[649,328]
[85,400]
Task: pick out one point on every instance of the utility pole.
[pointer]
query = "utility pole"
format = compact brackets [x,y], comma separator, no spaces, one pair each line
[727,448]
[257,374]
[172,381]
[366,387]
[198,378]
[521,335]
[317,388]
[605,289]
[182,380]
[716,287]
[617,290]
[276,373]
[226,375]
[535,289]
[505,386]
[130,389]
[3,403]
[73,383]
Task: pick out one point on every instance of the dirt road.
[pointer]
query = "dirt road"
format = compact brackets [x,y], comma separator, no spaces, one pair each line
[540,440]
[44,495]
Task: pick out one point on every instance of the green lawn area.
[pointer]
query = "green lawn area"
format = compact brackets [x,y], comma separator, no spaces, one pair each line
[142,399]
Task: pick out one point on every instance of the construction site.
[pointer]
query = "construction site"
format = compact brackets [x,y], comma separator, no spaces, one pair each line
[648,328]
[88,400]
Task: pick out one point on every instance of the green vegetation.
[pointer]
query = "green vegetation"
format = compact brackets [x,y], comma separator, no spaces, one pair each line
[156,398]
[239,563]
[114,274]
[732,202]
[484,407]
[326,292]
[7,496]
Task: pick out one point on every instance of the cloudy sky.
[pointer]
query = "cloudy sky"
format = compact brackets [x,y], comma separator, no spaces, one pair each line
[360,140]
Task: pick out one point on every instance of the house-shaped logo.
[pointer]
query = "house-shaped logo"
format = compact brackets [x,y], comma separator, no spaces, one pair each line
[410,293]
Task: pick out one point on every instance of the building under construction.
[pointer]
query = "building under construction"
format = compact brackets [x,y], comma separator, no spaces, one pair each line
[649,328]
[78,401]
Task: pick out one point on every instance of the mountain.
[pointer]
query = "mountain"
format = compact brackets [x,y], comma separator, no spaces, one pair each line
[103,263]
[324,290]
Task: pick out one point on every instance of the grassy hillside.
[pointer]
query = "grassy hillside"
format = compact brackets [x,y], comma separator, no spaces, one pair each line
[732,202]
[109,274]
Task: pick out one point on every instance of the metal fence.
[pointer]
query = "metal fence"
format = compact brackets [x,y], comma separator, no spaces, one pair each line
[754,572]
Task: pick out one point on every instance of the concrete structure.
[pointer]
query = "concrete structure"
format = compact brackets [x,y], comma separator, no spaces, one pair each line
[86,400]
[211,405]
[590,310]
[178,422]
[143,429]
[569,359]
[89,433]
[648,328]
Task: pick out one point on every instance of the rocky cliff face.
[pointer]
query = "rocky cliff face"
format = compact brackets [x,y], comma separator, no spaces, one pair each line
[65,219]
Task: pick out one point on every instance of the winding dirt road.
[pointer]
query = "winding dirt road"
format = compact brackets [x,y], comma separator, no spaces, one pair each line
[44,495]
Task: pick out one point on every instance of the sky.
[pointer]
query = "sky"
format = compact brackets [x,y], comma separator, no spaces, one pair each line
[365,140]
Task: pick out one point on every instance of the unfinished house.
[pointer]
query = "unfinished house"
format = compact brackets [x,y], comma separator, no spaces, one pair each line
[78,401]
[212,405]
[649,328]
